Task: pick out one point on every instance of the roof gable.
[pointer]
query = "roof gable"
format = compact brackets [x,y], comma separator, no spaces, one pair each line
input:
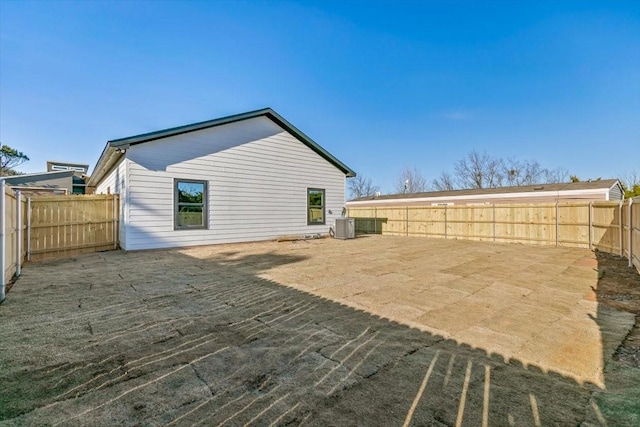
[122,143]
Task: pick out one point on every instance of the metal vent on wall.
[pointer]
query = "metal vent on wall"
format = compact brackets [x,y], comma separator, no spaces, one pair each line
[345,228]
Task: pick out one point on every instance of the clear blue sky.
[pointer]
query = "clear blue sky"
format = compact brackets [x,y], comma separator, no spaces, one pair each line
[381,85]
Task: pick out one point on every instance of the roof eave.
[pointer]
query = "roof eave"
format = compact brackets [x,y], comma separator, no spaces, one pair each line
[281,121]
[268,112]
[109,157]
[28,175]
[150,136]
[619,184]
[434,198]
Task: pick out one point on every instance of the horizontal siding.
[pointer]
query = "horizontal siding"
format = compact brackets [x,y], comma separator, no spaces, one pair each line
[107,185]
[113,182]
[257,177]
[616,193]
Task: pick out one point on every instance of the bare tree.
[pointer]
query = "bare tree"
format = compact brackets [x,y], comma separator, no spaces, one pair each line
[361,187]
[528,172]
[479,171]
[444,182]
[631,184]
[630,179]
[410,181]
[552,176]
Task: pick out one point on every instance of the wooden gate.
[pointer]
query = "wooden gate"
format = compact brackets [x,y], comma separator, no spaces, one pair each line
[63,226]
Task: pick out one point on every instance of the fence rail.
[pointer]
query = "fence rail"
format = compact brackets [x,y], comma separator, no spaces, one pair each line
[43,227]
[606,226]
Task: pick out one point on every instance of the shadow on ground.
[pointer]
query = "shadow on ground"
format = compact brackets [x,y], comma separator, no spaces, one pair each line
[159,338]
[618,290]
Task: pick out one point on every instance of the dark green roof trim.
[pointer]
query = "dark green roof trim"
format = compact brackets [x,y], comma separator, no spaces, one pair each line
[267,112]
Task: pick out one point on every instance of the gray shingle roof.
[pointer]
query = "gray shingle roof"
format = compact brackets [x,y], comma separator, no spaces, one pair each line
[582,185]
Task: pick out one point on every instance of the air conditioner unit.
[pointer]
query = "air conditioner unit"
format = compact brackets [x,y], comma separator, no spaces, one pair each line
[345,228]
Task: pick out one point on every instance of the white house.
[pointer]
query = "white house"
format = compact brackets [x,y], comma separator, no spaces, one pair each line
[247,177]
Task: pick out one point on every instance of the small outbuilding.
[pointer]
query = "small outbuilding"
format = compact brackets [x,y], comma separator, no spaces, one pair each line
[600,190]
[247,177]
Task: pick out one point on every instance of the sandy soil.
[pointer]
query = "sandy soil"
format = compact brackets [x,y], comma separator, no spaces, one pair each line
[372,331]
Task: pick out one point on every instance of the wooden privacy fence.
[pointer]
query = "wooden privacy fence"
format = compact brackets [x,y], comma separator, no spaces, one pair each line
[62,226]
[631,224]
[35,228]
[612,227]
[11,254]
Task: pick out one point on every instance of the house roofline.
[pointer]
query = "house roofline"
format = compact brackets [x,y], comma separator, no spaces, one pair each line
[121,143]
[602,185]
[29,175]
[514,195]
[192,127]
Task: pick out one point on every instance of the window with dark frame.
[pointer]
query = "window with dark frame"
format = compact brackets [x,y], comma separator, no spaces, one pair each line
[315,206]
[190,210]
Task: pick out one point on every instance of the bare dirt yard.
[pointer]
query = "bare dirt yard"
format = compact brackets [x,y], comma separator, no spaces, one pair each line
[372,331]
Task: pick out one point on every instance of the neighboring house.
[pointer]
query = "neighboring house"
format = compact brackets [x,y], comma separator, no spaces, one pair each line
[60,178]
[246,177]
[79,168]
[601,190]
[57,182]
[80,172]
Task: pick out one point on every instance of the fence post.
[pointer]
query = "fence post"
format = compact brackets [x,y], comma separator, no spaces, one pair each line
[445,222]
[406,220]
[590,225]
[621,227]
[29,229]
[557,225]
[2,236]
[629,218]
[494,222]
[375,220]
[114,222]
[18,232]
